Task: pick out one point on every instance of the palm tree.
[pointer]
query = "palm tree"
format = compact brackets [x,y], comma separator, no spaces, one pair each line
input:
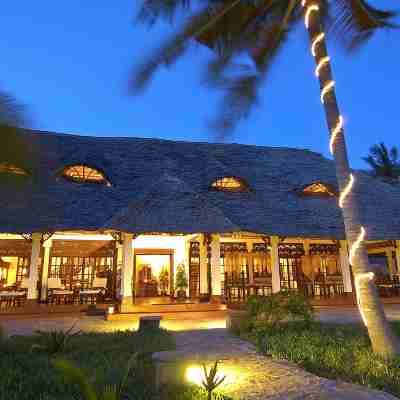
[385,163]
[256,31]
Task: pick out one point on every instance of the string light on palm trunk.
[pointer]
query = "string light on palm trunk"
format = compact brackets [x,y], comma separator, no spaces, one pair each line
[322,62]
[358,279]
[318,39]
[328,87]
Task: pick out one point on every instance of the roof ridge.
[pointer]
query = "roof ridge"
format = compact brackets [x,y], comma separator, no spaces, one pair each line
[162,140]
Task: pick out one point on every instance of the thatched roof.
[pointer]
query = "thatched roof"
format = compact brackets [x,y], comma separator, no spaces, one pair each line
[163,186]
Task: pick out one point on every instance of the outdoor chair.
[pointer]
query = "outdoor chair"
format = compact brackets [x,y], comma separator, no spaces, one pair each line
[14,295]
[94,294]
[57,294]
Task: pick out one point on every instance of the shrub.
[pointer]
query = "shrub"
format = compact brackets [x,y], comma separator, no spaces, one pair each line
[55,341]
[269,312]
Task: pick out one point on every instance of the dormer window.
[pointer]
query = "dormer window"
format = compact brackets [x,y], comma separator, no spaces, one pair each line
[7,168]
[84,174]
[319,189]
[230,184]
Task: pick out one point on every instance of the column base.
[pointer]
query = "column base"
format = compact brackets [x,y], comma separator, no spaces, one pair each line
[215,299]
[31,303]
[126,304]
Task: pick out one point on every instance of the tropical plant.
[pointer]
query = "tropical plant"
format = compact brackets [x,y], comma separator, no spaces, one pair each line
[181,282]
[54,341]
[256,31]
[211,379]
[96,391]
[385,163]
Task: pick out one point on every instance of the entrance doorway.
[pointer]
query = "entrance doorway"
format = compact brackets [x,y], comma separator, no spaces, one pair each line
[154,275]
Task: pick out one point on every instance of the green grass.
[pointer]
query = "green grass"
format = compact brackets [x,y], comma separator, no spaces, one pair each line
[332,351]
[27,375]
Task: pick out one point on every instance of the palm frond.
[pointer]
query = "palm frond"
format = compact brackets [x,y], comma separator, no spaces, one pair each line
[153,10]
[168,53]
[12,113]
[242,93]
[354,21]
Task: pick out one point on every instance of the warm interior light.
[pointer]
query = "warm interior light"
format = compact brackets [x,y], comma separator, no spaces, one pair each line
[111,310]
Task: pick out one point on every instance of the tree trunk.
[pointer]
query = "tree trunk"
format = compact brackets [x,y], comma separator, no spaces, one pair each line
[371,309]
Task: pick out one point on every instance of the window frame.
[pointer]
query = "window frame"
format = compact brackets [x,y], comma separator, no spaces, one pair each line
[330,190]
[7,168]
[82,181]
[243,188]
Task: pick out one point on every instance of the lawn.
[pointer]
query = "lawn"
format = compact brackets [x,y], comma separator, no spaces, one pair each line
[332,351]
[30,374]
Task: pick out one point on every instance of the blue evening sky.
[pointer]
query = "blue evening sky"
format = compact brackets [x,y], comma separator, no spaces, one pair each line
[69,62]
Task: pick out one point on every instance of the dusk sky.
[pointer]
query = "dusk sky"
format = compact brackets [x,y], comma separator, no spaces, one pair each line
[69,62]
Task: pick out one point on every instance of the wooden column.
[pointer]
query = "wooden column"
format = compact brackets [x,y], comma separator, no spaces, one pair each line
[250,260]
[345,266]
[187,263]
[215,266]
[127,272]
[275,269]
[398,256]
[390,263]
[45,269]
[34,267]
[203,266]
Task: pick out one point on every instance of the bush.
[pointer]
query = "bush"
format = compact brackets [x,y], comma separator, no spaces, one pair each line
[55,341]
[269,312]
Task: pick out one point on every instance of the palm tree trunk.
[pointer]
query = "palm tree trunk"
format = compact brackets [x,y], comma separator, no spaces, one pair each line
[371,309]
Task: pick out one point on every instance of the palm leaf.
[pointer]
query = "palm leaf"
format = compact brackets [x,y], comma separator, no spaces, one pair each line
[354,21]
[153,10]
[242,92]
[168,53]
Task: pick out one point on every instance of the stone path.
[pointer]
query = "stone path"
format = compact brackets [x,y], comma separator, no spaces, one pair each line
[251,376]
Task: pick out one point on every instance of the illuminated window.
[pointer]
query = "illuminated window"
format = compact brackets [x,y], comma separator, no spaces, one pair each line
[85,174]
[230,184]
[319,189]
[6,168]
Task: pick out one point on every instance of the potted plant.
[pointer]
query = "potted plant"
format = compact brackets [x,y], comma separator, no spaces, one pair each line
[181,282]
[163,280]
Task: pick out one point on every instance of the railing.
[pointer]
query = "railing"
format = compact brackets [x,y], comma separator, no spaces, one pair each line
[240,293]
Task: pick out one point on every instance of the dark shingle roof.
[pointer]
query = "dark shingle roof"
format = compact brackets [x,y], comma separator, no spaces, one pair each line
[162,186]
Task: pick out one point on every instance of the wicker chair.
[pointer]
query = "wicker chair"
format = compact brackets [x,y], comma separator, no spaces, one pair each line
[94,294]
[14,295]
[57,294]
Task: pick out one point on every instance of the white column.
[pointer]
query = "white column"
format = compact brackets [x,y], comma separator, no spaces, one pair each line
[398,255]
[34,266]
[127,268]
[203,266]
[275,269]
[45,269]
[215,266]
[345,266]
[390,264]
